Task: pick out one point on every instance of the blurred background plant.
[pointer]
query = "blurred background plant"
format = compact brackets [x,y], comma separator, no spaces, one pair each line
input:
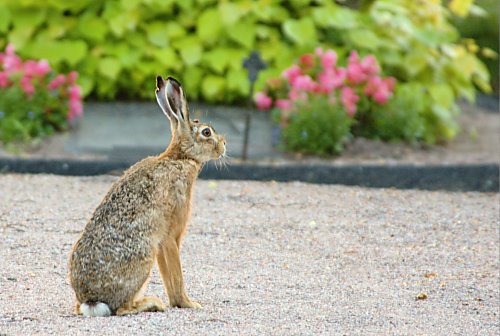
[317,100]
[117,46]
[34,100]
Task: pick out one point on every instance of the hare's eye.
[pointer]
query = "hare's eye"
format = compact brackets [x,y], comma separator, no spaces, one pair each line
[206,132]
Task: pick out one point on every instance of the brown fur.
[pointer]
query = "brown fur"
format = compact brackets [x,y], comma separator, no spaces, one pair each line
[142,219]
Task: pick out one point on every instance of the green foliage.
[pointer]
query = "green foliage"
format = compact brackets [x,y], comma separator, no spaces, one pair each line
[24,119]
[118,47]
[402,118]
[318,128]
[34,100]
[483,28]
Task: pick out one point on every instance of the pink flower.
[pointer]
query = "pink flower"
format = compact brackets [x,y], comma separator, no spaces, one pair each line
[295,95]
[390,82]
[370,66]
[42,68]
[305,83]
[75,109]
[359,71]
[29,68]
[57,82]
[75,102]
[331,79]
[292,73]
[263,101]
[4,79]
[74,92]
[72,77]
[27,85]
[307,61]
[380,89]
[36,69]
[329,59]
[318,51]
[284,104]
[355,73]
[349,100]
[11,63]
[10,50]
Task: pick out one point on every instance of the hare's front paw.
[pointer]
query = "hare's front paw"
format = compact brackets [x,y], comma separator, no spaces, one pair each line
[187,303]
[192,304]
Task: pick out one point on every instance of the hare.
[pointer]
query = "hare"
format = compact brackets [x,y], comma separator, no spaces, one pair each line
[143,218]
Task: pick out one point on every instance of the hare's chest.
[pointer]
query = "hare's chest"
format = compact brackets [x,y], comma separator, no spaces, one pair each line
[179,194]
[177,200]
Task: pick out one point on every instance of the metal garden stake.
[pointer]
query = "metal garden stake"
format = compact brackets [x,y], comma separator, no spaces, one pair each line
[253,64]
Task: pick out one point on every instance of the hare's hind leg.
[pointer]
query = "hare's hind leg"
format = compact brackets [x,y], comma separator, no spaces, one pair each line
[140,303]
[146,304]
[77,308]
[169,264]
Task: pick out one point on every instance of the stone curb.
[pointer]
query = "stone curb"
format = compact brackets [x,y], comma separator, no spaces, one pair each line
[475,177]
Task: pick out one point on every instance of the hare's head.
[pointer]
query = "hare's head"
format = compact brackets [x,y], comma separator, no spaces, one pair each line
[190,138]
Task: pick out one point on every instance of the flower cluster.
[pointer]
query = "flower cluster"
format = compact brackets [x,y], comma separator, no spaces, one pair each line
[319,75]
[36,77]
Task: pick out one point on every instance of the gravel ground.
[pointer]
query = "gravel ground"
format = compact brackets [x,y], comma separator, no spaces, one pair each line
[270,258]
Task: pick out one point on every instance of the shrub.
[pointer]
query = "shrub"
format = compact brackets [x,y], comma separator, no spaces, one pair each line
[317,127]
[482,29]
[401,119]
[118,46]
[34,100]
[329,94]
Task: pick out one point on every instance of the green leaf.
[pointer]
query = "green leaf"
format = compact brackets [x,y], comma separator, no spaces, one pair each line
[190,49]
[157,34]
[175,30]
[168,59]
[87,84]
[212,87]
[235,57]
[446,125]
[109,67]
[130,4]
[415,61]
[237,81]
[73,51]
[267,13]
[335,16]
[243,32]
[364,38]
[217,59]
[93,28]
[301,31]
[442,95]
[128,55]
[230,12]
[28,17]
[19,37]
[460,7]
[300,4]
[5,18]
[192,77]
[208,26]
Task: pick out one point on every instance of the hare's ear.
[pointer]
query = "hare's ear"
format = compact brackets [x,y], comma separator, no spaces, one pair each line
[176,99]
[161,98]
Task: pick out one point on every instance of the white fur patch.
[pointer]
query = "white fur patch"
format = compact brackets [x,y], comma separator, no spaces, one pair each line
[98,309]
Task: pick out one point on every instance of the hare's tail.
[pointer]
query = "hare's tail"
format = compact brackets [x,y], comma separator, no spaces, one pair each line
[95,309]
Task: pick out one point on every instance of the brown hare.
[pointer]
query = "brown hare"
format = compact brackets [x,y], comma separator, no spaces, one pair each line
[143,218]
